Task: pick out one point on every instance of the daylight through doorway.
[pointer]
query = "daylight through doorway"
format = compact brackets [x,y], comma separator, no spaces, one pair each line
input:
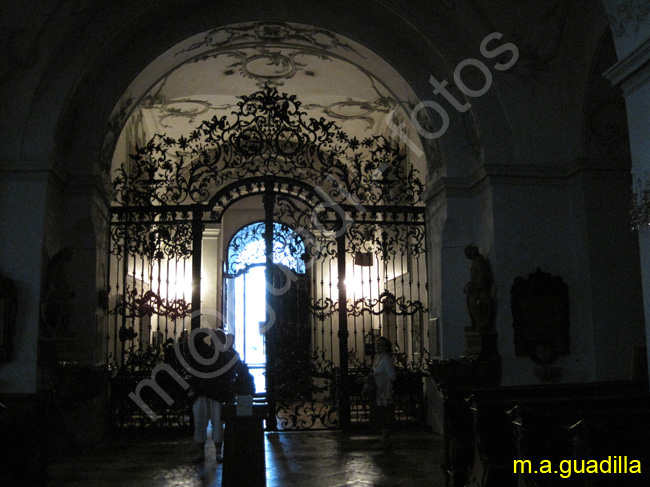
[245,289]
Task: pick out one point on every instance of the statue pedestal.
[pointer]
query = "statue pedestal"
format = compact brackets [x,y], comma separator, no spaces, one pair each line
[466,371]
[480,366]
[481,343]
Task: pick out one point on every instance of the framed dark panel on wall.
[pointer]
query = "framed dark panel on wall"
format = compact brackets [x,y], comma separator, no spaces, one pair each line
[8,301]
[540,312]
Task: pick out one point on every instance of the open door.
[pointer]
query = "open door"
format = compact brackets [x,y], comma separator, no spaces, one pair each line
[290,370]
[268,346]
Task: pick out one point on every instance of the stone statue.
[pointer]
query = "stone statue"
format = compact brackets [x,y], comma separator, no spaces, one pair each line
[478,290]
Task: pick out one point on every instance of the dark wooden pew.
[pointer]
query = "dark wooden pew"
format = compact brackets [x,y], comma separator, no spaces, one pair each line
[590,441]
[487,429]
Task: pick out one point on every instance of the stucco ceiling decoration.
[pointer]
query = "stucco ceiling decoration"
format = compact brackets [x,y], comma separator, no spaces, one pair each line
[203,77]
[231,61]
[211,83]
[270,32]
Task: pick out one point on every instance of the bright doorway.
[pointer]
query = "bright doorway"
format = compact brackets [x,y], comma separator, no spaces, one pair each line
[245,289]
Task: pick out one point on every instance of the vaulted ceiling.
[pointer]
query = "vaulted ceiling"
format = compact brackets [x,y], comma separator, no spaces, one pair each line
[333,77]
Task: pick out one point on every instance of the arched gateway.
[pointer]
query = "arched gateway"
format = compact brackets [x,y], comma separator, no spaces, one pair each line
[350,211]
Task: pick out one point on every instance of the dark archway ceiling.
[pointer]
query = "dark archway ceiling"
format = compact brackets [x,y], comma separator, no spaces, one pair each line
[333,77]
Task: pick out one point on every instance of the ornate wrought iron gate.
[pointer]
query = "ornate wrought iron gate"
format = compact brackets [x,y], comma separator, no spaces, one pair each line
[355,207]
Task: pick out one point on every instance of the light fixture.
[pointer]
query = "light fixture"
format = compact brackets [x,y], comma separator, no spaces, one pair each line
[640,205]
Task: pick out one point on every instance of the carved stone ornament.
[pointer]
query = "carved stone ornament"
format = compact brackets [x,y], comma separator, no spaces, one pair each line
[540,312]
[626,16]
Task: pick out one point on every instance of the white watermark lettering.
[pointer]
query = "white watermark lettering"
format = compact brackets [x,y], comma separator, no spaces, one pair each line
[220,346]
[440,88]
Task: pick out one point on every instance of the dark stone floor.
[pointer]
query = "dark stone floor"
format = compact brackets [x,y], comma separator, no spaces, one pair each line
[305,459]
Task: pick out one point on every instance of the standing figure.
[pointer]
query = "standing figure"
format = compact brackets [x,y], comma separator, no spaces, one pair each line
[212,365]
[242,381]
[382,376]
[478,289]
[56,310]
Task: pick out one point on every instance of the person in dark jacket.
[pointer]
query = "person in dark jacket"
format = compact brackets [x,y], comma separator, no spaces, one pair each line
[212,366]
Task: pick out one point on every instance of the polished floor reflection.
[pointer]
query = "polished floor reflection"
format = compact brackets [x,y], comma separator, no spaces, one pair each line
[314,459]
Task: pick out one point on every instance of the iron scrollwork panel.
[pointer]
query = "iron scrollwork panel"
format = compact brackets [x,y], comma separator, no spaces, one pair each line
[323,181]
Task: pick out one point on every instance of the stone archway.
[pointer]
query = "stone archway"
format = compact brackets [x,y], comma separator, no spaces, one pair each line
[71,134]
[347,197]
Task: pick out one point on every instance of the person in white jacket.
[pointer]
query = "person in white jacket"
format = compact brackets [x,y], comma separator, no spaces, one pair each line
[383,373]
